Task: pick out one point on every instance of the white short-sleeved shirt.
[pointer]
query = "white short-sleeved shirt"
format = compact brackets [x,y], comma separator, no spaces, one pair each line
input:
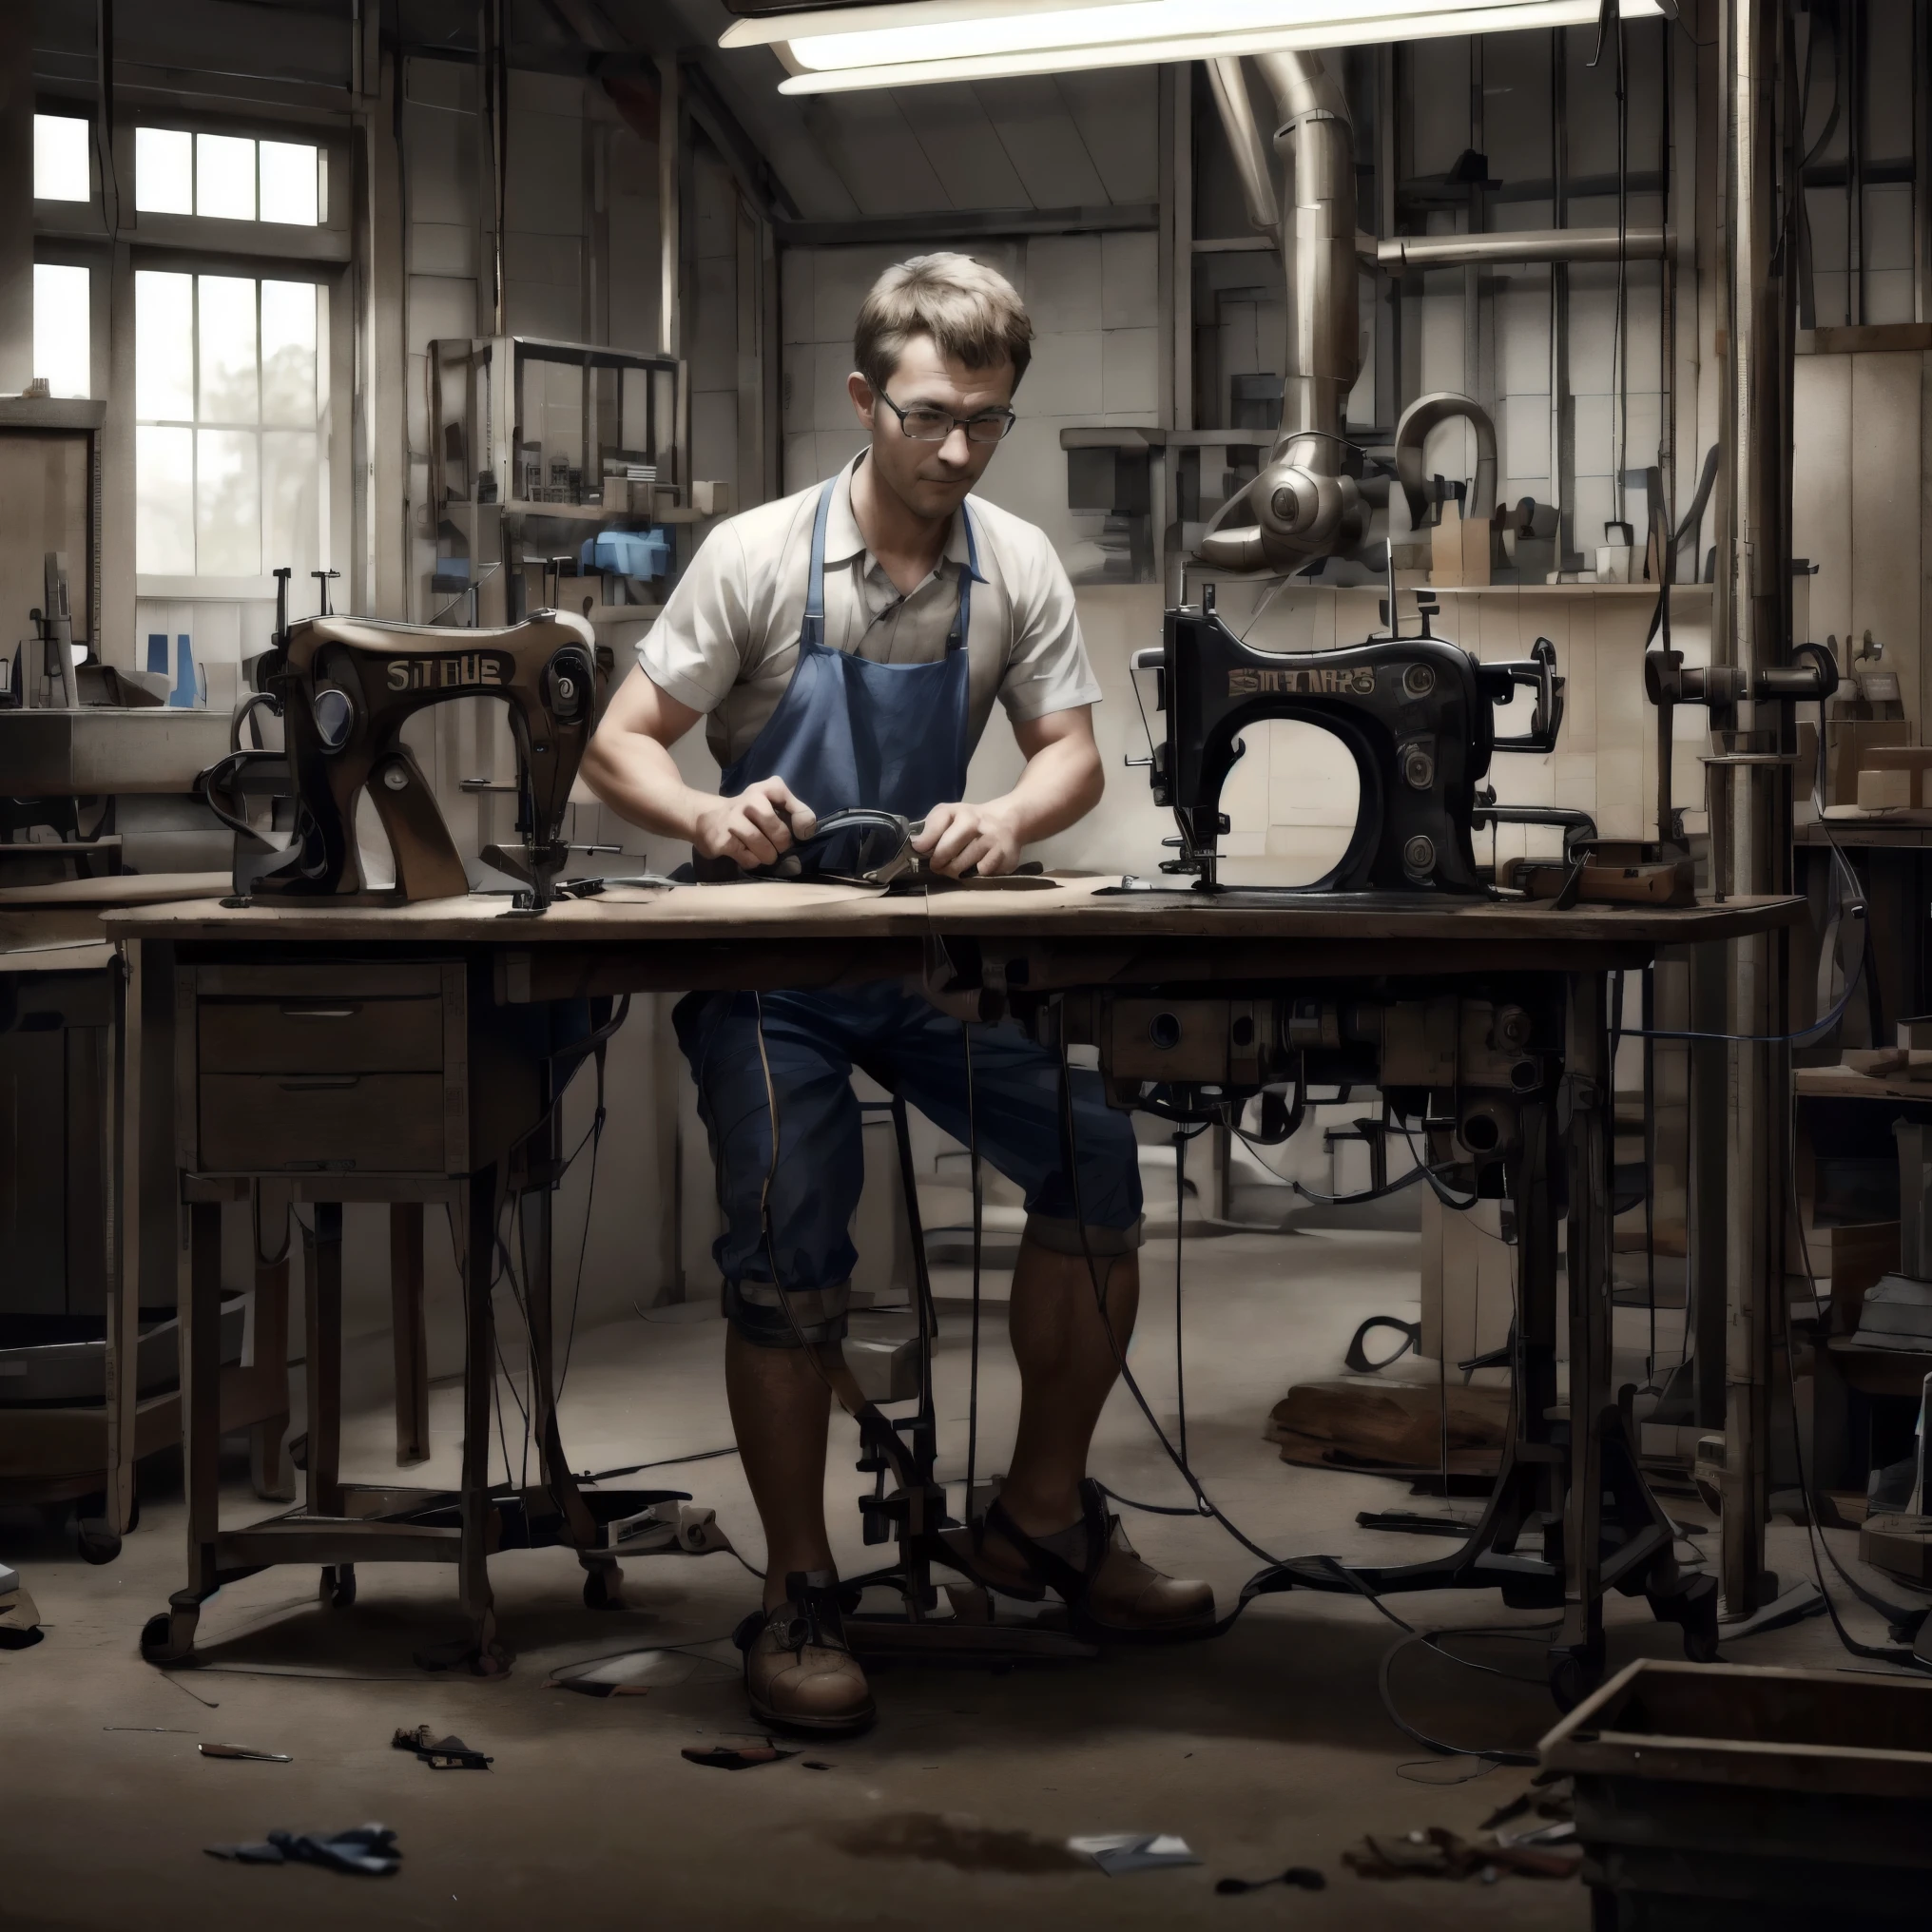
[726,642]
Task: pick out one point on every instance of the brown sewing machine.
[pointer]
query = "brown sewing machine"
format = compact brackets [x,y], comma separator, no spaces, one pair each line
[345,686]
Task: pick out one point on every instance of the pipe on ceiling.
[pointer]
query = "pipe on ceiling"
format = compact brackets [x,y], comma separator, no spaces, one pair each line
[1413,252]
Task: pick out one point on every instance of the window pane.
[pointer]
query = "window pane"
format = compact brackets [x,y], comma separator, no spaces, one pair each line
[228,391]
[164,500]
[163,345]
[61,328]
[227,504]
[290,508]
[163,171]
[288,353]
[224,177]
[60,159]
[288,183]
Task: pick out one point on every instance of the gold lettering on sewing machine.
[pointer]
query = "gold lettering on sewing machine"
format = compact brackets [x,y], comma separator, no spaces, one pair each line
[447,673]
[1357,682]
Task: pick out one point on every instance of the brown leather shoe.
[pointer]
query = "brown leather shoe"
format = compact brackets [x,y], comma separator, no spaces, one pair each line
[798,1675]
[1092,1567]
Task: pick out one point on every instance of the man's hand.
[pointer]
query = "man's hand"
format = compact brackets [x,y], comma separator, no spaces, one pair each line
[962,839]
[754,827]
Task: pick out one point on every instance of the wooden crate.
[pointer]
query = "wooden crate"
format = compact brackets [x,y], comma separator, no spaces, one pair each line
[1726,1797]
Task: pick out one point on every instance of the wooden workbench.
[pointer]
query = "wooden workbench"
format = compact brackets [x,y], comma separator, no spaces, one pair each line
[51,936]
[1000,941]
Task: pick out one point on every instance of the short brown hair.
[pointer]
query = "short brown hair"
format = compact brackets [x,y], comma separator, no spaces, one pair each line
[971,313]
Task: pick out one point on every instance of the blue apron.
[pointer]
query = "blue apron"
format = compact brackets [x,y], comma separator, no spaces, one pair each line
[851,732]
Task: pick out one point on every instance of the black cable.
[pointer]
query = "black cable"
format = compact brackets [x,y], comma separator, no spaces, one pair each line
[1069,1155]
[973,1373]
[1432,1640]
[663,1462]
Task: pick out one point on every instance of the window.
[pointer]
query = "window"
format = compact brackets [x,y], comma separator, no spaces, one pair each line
[230,387]
[60,168]
[226,177]
[62,332]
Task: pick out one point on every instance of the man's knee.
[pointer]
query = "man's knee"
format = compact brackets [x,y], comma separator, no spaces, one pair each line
[769,1317]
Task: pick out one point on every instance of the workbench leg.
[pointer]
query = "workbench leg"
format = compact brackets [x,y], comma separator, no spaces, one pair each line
[1576,1655]
[123,1174]
[170,1637]
[537,1221]
[268,1465]
[479,1386]
[410,1331]
[322,1246]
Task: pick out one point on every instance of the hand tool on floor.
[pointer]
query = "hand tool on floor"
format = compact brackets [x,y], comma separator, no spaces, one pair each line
[237,1751]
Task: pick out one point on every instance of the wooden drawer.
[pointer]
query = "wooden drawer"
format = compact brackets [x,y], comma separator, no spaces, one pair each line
[356,1123]
[321,1034]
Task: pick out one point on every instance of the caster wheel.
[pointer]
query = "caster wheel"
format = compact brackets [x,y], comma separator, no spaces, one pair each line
[154,1634]
[603,1588]
[1574,1675]
[98,1544]
[338,1585]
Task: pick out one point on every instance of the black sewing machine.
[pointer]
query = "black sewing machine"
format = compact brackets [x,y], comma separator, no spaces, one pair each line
[1414,713]
[344,687]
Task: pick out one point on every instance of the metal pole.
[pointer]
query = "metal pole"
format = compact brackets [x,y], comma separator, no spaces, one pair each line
[670,120]
[1758,568]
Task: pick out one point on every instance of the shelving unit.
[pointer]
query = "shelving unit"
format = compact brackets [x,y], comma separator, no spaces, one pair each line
[493,400]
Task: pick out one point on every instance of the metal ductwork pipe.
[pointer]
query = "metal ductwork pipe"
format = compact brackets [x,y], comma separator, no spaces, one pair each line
[1301,506]
[1409,253]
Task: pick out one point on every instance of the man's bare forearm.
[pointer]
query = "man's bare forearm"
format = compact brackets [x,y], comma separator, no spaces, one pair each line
[639,780]
[1062,783]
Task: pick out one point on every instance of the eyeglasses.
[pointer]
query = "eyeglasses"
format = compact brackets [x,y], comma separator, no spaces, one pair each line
[926,425]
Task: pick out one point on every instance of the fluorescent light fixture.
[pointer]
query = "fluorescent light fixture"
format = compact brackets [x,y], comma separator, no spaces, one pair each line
[912,45]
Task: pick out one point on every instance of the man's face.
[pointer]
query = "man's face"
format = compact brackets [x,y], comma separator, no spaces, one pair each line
[931,478]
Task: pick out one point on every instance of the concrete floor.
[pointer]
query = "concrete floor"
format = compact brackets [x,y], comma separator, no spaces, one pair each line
[1266,1748]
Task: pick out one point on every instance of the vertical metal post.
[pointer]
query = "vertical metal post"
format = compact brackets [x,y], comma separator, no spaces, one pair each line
[669,122]
[1562,411]
[1759,620]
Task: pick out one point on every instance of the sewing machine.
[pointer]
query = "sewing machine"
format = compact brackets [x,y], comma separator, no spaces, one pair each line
[345,686]
[1414,713]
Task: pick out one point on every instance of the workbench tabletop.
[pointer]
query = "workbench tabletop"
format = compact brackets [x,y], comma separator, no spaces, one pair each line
[1076,907]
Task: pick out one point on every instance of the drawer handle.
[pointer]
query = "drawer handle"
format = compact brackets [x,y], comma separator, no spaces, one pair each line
[321,1083]
[290,1011]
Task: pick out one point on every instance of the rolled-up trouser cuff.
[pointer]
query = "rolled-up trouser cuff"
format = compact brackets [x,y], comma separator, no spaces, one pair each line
[810,1315]
[1062,1235]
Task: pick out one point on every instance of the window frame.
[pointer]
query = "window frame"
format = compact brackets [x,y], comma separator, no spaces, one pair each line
[334,425]
[329,240]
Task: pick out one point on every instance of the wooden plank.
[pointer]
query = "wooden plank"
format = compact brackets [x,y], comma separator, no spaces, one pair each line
[792,912]
[298,1541]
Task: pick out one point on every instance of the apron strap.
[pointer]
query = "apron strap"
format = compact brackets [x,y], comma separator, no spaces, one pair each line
[813,630]
[962,618]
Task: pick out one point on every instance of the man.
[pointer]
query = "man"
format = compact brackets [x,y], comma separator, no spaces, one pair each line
[845,647]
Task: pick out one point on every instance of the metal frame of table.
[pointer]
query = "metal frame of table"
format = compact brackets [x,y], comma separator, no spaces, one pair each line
[1570,1474]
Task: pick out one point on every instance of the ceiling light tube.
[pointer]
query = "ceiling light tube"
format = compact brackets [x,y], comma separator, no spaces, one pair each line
[1325,24]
